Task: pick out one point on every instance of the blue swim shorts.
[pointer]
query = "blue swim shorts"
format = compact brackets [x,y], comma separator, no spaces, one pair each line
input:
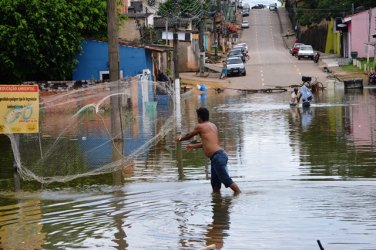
[219,173]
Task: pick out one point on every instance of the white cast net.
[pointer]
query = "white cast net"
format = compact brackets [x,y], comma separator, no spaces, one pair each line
[94,130]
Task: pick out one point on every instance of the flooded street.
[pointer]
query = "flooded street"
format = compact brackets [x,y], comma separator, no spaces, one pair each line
[305,175]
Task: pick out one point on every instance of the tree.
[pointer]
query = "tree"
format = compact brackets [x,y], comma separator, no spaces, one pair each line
[39,40]
[313,11]
[187,9]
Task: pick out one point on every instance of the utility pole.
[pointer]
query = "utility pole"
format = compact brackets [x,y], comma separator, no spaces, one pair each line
[113,61]
[219,6]
[176,69]
[175,45]
[215,34]
[115,100]
[166,31]
[175,42]
[113,43]
[201,41]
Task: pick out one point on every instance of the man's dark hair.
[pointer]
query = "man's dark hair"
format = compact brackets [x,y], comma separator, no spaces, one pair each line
[203,114]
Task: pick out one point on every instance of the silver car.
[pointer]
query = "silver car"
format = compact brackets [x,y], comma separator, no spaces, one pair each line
[241,45]
[237,52]
[235,66]
[245,24]
[306,51]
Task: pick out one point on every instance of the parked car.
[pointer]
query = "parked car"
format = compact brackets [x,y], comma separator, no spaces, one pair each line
[242,49]
[246,7]
[273,6]
[306,51]
[245,13]
[295,48]
[241,45]
[236,53]
[245,24]
[258,6]
[235,66]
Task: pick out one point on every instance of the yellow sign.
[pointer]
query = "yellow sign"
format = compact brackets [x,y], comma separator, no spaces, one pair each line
[19,109]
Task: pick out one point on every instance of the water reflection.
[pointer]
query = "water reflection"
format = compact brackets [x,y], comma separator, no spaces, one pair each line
[20,227]
[203,97]
[362,118]
[306,117]
[119,221]
[218,230]
[80,136]
[302,116]
[303,180]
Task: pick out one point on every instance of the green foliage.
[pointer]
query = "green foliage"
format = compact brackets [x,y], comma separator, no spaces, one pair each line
[363,65]
[313,11]
[168,72]
[39,40]
[148,35]
[350,68]
[183,8]
[92,16]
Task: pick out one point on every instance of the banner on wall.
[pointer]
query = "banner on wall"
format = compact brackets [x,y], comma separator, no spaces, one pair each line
[19,109]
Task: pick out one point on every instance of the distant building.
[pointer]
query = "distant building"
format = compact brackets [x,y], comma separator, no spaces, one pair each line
[93,61]
[359,35]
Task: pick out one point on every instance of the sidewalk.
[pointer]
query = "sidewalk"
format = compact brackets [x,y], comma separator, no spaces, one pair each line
[210,80]
[210,77]
[288,35]
[333,64]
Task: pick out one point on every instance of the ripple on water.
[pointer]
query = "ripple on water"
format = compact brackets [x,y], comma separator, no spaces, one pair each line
[299,184]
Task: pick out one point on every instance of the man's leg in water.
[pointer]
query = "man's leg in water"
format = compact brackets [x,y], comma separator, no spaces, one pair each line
[215,181]
[219,167]
[235,188]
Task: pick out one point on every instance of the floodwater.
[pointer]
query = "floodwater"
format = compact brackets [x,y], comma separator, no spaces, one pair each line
[305,175]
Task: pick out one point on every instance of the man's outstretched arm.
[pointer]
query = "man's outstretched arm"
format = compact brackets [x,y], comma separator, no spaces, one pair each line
[192,146]
[188,135]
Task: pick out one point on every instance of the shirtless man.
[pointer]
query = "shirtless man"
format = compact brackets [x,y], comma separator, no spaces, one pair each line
[295,97]
[210,144]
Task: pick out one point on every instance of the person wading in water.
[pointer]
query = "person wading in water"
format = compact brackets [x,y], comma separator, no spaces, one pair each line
[210,144]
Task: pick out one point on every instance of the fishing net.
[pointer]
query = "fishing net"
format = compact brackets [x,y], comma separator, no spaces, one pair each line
[94,130]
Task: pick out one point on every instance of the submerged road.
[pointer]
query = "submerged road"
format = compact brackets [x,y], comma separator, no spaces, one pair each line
[270,62]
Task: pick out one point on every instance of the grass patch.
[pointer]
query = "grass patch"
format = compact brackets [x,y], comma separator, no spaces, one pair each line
[363,63]
[350,68]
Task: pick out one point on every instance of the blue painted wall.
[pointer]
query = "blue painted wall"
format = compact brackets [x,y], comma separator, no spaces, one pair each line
[94,58]
[98,143]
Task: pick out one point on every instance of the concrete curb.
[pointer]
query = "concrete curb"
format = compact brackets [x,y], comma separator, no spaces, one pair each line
[328,61]
[288,37]
[190,78]
[281,28]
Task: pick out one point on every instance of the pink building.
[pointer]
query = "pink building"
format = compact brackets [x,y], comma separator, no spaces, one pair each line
[361,28]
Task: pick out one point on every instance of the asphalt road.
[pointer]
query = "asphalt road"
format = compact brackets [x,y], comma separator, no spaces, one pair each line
[270,62]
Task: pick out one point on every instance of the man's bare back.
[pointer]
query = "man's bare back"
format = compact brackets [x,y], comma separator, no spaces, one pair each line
[209,137]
